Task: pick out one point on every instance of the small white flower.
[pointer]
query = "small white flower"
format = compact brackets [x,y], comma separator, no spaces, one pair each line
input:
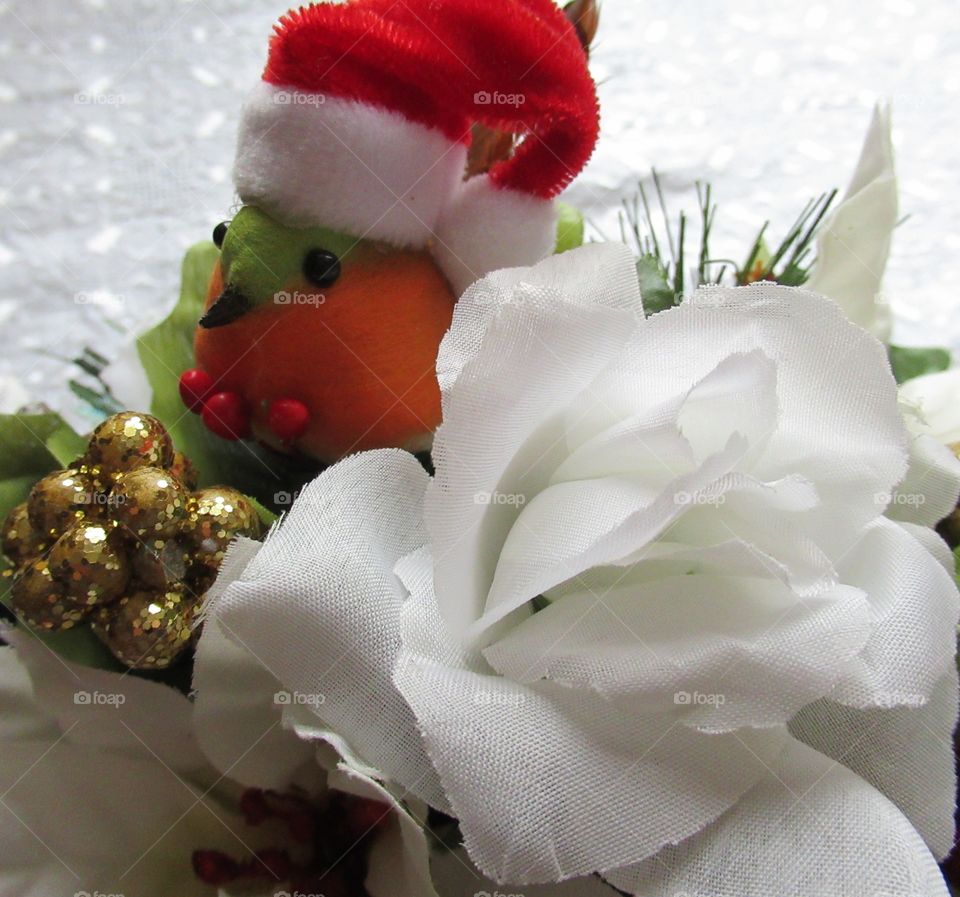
[934,400]
[104,788]
[692,653]
[853,247]
[929,406]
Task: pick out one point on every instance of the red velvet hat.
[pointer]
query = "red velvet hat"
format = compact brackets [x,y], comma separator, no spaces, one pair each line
[363,119]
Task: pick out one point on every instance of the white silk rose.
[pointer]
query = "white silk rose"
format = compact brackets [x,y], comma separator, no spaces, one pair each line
[648,619]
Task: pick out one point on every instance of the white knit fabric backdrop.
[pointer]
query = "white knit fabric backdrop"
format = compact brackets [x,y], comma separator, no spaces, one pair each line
[117,123]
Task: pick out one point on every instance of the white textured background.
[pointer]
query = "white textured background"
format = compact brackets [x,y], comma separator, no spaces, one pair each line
[117,122]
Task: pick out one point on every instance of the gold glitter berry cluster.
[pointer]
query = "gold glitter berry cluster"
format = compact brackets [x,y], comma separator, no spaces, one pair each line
[123,540]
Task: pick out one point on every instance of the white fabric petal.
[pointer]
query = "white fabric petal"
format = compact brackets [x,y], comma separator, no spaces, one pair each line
[79,815]
[596,274]
[934,543]
[935,400]
[454,875]
[721,651]
[738,396]
[905,752]
[853,246]
[856,448]
[556,347]
[838,422]
[809,828]
[504,753]
[319,605]
[112,711]
[930,490]
[573,526]
[915,607]
[238,713]
[399,858]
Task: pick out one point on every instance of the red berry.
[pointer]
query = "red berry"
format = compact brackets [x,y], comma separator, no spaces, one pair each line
[364,816]
[272,862]
[226,415]
[288,419]
[215,868]
[195,386]
[254,806]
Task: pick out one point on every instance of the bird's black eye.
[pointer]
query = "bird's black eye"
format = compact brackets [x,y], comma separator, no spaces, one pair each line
[321,268]
[219,232]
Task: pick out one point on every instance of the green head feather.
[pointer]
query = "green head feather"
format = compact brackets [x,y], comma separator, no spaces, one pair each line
[262,257]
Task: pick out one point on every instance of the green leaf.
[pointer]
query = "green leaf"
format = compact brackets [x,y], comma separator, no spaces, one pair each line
[24,458]
[79,645]
[23,444]
[793,276]
[166,352]
[569,228]
[655,288]
[267,517]
[102,402]
[15,490]
[65,445]
[757,260]
[909,362]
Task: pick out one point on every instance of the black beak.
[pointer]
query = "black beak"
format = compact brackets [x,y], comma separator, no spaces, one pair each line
[229,305]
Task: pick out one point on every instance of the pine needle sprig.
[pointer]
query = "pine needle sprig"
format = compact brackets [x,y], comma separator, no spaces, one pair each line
[662,268]
[798,242]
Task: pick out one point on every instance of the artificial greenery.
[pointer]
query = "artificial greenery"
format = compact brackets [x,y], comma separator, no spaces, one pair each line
[662,264]
[909,362]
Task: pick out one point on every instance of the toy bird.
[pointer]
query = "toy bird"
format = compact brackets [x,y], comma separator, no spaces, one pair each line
[363,219]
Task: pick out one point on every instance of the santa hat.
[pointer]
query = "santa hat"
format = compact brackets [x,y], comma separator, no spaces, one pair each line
[363,120]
